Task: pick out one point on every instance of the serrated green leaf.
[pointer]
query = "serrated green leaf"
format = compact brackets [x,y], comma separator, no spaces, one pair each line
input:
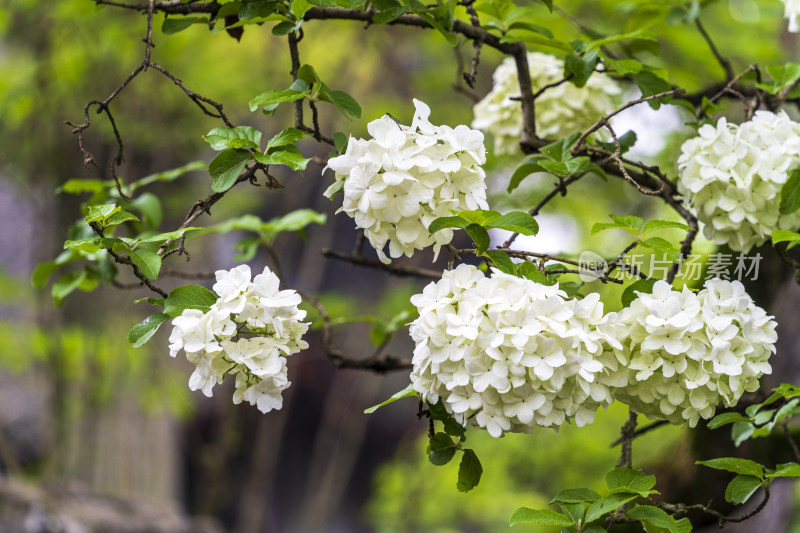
[277,97]
[790,194]
[144,330]
[663,246]
[226,168]
[741,431]
[544,517]
[289,159]
[442,449]
[148,262]
[238,137]
[785,470]
[650,84]
[607,504]
[655,225]
[99,213]
[741,488]
[251,9]
[575,496]
[623,479]
[287,136]
[189,297]
[469,471]
[791,237]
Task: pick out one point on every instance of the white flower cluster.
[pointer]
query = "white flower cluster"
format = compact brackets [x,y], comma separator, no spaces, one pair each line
[508,354]
[402,179]
[685,353]
[249,331]
[560,111]
[733,175]
[791,13]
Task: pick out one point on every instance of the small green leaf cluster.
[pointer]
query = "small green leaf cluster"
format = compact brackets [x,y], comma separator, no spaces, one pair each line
[242,144]
[557,158]
[478,221]
[444,444]
[633,225]
[583,510]
[759,420]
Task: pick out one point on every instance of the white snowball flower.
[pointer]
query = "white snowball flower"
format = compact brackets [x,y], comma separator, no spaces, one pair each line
[508,354]
[685,352]
[733,174]
[791,13]
[402,179]
[560,111]
[248,332]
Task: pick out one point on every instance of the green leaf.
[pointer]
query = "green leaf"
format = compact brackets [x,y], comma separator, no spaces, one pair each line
[163,237]
[515,221]
[42,273]
[451,39]
[529,271]
[785,470]
[469,471]
[226,168]
[735,465]
[257,9]
[340,141]
[345,103]
[607,504]
[447,222]
[119,217]
[531,166]
[575,496]
[650,84]
[238,137]
[479,236]
[627,480]
[442,449]
[287,136]
[502,261]
[654,516]
[388,15]
[144,330]
[741,431]
[544,517]
[478,216]
[631,224]
[741,488]
[642,285]
[581,68]
[66,285]
[784,75]
[626,142]
[726,418]
[149,206]
[791,237]
[277,97]
[189,297]
[289,159]
[655,225]
[174,25]
[663,246]
[790,194]
[99,213]
[148,262]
